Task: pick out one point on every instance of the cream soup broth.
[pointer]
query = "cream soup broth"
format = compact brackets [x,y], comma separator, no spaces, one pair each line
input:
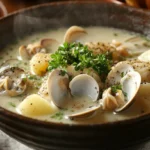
[95,34]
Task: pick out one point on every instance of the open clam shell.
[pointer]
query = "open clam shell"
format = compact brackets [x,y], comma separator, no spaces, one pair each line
[45,45]
[50,45]
[24,55]
[58,88]
[73,33]
[145,57]
[130,80]
[12,82]
[10,63]
[117,72]
[86,113]
[84,85]
[130,86]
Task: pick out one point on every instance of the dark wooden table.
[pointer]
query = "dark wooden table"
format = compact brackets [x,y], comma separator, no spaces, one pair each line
[8,6]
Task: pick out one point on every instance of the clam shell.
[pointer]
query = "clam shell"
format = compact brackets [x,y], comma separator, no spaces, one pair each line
[130,86]
[11,81]
[117,72]
[72,33]
[51,45]
[86,113]
[84,85]
[58,88]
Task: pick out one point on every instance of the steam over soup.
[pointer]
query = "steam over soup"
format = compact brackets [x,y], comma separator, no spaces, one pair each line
[77,75]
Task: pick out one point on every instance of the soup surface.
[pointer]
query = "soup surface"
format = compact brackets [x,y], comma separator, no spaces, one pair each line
[130,45]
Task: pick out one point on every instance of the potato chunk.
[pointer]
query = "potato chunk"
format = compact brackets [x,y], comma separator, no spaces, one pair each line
[39,63]
[35,105]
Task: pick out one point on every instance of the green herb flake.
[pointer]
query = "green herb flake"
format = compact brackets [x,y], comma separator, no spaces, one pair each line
[12,104]
[136,45]
[32,77]
[122,74]
[116,87]
[63,72]
[59,115]
[24,79]
[124,93]
[1,57]
[115,34]
[70,78]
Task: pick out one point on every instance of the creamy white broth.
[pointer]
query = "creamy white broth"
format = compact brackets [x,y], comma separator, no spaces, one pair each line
[95,34]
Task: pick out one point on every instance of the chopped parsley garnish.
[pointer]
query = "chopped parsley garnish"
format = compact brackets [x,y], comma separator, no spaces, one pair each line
[80,57]
[136,44]
[122,74]
[12,104]
[59,115]
[24,79]
[62,72]
[116,87]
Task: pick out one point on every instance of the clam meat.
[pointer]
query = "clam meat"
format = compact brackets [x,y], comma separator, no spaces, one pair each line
[12,81]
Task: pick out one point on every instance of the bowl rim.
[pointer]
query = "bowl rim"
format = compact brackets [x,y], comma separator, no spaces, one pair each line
[33,121]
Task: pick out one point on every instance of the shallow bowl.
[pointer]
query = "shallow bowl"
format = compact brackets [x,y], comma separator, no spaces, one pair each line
[43,135]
